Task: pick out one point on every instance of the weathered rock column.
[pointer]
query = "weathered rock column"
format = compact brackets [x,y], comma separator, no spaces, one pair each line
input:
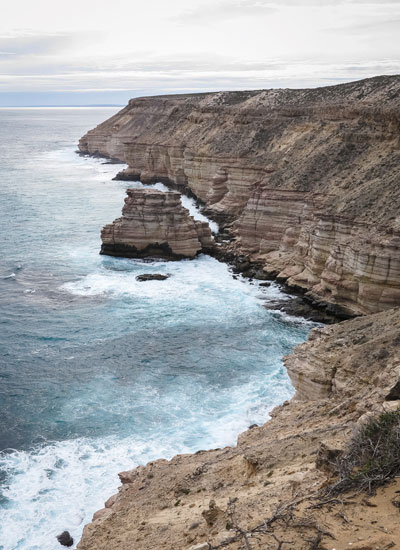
[155,224]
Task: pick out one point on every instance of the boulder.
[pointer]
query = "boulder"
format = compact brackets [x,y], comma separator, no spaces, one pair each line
[152,277]
[65,539]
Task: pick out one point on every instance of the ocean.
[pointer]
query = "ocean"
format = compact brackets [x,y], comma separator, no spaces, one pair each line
[100,372]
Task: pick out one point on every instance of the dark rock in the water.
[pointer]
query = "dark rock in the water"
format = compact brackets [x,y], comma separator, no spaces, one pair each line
[251,271]
[224,237]
[266,284]
[127,175]
[113,161]
[152,277]
[297,307]
[65,539]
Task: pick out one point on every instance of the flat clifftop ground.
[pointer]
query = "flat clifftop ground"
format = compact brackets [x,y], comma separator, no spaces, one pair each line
[265,490]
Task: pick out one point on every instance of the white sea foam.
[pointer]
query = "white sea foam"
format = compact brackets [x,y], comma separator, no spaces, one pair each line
[194,210]
[189,278]
[59,486]
[187,202]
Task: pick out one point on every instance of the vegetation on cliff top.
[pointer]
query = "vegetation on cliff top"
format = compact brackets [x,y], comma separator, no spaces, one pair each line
[373,455]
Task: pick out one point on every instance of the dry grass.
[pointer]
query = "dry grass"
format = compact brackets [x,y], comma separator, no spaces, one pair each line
[372,457]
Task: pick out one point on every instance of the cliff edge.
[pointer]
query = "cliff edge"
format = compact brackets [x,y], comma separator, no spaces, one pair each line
[265,490]
[306,179]
[307,184]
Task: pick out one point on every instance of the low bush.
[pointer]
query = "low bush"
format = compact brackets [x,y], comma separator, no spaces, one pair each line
[373,455]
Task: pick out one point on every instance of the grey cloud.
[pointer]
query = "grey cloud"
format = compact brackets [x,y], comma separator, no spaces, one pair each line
[379,26]
[322,3]
[25,66]
[206,65]
[385,31]
[225,10]
[240,8]
[199,80]
[33,44]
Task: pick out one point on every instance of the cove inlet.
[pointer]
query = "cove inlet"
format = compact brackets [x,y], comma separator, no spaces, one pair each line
[100,372]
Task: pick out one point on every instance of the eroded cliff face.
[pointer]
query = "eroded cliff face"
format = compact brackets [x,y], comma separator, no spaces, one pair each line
[349,359]
[155,224]
[310,178]
[209,499]
[309,183]
[351,264]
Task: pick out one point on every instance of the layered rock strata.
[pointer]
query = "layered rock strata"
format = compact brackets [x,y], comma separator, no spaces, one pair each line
[353,265]
[155,224]
[310,180]
[206,500]
[309,177]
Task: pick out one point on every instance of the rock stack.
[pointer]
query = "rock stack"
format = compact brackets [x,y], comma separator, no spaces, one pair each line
[154,224]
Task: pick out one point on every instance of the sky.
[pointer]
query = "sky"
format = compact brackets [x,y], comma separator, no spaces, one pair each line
[59,52]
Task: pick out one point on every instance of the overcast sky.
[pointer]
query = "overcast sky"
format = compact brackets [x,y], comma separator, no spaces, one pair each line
[93,51]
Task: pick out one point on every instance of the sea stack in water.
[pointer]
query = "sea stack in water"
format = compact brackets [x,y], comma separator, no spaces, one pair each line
[154,224]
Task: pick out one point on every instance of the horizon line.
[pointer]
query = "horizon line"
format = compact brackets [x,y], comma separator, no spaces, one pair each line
[62,106]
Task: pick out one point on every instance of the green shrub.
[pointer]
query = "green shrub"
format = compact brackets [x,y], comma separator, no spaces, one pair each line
[373,455]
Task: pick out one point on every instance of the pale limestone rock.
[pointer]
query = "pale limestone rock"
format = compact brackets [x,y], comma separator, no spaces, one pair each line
[286,457]
[309,176]
[155,224]
[101,514]
[368,355]
[355,266]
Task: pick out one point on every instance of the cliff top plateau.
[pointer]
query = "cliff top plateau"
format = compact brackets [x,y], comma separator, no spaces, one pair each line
[312,140]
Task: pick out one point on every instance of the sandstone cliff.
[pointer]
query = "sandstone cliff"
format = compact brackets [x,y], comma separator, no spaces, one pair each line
[155,224]
[310,178]
[263,492]
[307,181]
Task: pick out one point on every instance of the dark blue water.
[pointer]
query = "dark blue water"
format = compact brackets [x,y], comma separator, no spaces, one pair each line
[99,372]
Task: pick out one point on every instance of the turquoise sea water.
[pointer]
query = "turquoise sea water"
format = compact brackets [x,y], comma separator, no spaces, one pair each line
[99,372]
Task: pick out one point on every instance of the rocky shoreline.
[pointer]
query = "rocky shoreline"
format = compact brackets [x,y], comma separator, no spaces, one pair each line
[304,180]
[155,225]
[305,186]
[275,474]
